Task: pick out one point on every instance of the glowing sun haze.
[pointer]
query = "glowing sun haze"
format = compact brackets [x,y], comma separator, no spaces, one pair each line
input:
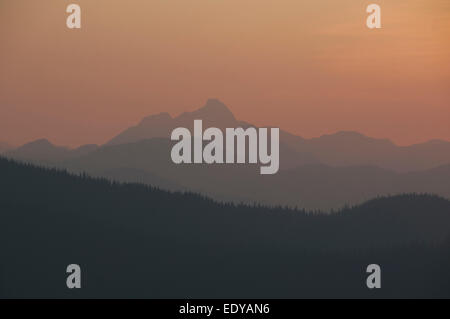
[311,67]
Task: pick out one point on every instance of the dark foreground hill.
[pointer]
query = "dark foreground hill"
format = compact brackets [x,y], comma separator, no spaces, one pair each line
[135,241]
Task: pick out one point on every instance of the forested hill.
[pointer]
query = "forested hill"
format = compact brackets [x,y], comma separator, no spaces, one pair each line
[135,241]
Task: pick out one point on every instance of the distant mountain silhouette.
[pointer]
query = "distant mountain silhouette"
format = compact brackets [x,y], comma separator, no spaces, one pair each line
[39,151]
[44,152]
[4,147]
[133,241]
[352,148]
[214,113]
[340,149]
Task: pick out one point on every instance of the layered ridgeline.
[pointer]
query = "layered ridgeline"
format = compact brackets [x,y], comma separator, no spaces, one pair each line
[135,241]
[42,151]
[322,173]
[4,147]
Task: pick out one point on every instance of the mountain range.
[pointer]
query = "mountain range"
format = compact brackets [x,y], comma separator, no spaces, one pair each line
[340,149]
[44,152]
[323,173]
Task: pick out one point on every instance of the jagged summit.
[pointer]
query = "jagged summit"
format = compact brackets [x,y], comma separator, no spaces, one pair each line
[213,113]
[215,105]
[213,110]
[342,148]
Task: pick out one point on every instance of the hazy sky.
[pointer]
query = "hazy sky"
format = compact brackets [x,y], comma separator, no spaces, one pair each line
[309,66]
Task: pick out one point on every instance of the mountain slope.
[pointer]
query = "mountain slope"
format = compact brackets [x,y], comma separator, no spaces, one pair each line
[135,241]
[4,147]
[214,113]
[354,149]
[39,151]
[312,186]
[43,151]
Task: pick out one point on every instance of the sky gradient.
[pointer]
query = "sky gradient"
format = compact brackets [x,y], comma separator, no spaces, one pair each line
[310,67]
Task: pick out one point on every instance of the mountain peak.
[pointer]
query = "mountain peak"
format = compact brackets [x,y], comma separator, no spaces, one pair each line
[214,113]
[40,145]
[41,150]
[215,104]
[43,142]
[214,110]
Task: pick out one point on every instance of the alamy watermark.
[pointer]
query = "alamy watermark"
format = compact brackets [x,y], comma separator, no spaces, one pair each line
[374,279]
[73,281]
[227,148]
[74,19]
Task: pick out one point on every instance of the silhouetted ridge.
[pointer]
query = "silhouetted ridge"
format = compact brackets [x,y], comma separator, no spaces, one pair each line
[42,151]
[154,119]
[4,147]
[135,241]
[352,137]
[41,143]
[213,113]
[345,148]
[214,110]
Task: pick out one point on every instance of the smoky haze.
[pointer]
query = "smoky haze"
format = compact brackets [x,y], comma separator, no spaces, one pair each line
[311,67]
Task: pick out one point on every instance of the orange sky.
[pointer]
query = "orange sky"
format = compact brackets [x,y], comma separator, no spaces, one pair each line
[309,66]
